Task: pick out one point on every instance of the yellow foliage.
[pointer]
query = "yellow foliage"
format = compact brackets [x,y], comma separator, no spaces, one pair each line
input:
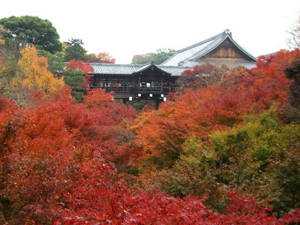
[2,32]
[36,74]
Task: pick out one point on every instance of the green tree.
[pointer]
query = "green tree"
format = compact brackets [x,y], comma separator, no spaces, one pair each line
[8,48]
[74,50]
[75,78]
[261,158]
[194,174]
[32,30]
[56,61]
[163,54]
[9,68]
[293,73]
[157,58]
[9,56]
[292,110]
[142,59]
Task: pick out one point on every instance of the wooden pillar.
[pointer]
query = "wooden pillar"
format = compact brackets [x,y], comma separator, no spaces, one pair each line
[157,103]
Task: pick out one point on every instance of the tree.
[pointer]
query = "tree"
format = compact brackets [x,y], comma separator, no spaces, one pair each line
[8,48]
[293,73]
[294,39]
[160,56]
[163,54]
[75,79]
[9,56]
[261,157]
[193,174]
[105,58]
[32,30]
[143,59]
[102,57]
[258,157]
[54,169]
[292,110]
[3,31]
[98,97]
[91,58]
[8,69]
[74,50]
[162,133]
[203,75]
[29,73]
[86,68]
[55,60]
[36,75]
[77,75]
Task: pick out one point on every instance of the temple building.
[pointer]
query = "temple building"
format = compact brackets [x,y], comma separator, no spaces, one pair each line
[153,82]
[218,50]
[137,82]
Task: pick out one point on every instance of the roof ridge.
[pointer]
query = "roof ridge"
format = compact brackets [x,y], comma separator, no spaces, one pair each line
[224,33]
[172,66]
[203,42]
[211,46]
[216,43]
[242,49]
[118,64]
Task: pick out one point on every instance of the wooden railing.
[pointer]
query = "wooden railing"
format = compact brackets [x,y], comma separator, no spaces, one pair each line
[136,90]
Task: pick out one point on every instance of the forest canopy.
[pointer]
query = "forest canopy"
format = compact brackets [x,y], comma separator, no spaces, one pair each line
[32,30]
[225,151]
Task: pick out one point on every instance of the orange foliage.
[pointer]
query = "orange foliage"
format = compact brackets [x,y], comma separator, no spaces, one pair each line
[98,97]
[271,70]
[58,158]
[218,107]
[105,58]
[36,74]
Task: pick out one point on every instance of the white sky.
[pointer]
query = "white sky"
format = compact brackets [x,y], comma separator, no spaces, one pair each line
[125,28]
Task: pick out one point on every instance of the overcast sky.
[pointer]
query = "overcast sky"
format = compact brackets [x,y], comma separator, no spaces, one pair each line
[125,28]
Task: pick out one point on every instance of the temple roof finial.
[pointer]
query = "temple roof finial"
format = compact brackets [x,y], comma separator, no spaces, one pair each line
[228,32]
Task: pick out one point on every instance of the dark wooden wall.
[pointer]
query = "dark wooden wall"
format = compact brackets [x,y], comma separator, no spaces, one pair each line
[226,50]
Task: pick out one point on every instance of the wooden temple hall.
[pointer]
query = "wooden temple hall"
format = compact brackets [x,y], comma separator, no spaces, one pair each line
[137,82]
[131,82]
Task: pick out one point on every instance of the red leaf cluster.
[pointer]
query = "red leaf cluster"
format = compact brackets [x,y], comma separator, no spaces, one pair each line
[59,160]
[217,107]
[86,68]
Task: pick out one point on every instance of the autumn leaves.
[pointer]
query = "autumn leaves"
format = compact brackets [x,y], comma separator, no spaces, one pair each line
[216,154]
[36,75]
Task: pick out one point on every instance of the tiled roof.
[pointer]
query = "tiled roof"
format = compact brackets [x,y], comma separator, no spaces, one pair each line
[174,70]
[230,64]
[129,69]
[144,67]
[109,68]
[183,56]
[183,59]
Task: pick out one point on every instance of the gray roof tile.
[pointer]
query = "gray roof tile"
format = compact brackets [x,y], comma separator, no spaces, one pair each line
[129,69]
[200,49]
[109,68]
